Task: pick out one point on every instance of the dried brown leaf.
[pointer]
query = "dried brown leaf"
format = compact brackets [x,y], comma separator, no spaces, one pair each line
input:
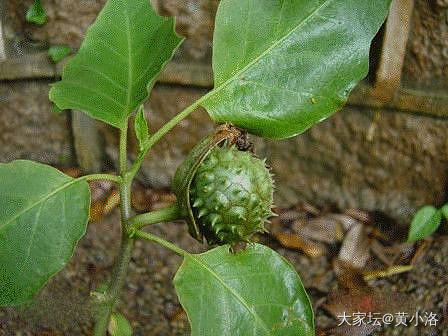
[355,250]
[347,221]
[325,229]
[349,277]
[359,215]
[72,172]
[111,202]
[293,241]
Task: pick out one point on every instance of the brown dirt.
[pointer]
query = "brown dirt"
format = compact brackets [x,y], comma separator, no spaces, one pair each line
[150,303]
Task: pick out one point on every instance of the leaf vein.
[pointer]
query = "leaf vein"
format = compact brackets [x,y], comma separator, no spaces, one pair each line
[38,202]
[268,50]
[108,46]
[128,34]
[235,294]
[102,74]
[116,102]
[33,233]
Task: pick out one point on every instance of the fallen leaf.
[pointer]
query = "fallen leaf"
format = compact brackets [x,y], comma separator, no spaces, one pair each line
[349,277]
[293,241]
[355,249]
[347,221]
[359,215]
[111,202]
[325,229]
[72,172]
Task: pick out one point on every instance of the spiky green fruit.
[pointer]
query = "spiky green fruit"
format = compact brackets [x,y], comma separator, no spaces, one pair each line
[231,195]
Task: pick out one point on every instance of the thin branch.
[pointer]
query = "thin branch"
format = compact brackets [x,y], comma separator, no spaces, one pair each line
[167,214]
[151,237]
[151,141]
[107,177]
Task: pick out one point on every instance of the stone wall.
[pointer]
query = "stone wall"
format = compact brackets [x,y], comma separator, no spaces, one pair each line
[375,154]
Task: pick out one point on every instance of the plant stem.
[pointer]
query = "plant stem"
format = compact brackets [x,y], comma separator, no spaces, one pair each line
[160,241]
[169,213]
[119,272]
[108,177]
[123,258]
[161,133]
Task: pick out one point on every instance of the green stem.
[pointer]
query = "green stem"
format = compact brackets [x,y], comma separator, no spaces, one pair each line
[125,188]
[123,150]
[167,214]
[151,237]
[94,177]
[106,307]
[161,133]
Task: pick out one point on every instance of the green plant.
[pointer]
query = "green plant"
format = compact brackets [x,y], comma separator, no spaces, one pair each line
[36,13]
[426,221]
[58,52]
[279,67]
[228,194]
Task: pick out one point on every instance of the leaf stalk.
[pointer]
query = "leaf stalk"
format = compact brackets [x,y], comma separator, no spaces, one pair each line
[107,177]
[152,140]
[156,239]
[169,213]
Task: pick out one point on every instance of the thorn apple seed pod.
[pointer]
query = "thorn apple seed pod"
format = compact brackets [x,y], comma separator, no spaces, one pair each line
[227,194]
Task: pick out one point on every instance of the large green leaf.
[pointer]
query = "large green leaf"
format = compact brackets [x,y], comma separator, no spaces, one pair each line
[43,215]
[252,292]
[124,51]
[281,66]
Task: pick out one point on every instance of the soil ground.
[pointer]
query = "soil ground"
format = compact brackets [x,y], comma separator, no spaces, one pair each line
[150,303]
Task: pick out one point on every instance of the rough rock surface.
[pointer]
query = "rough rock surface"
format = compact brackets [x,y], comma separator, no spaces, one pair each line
[28,127]
[392,162]
[195,21]
[426,63]
[67,16]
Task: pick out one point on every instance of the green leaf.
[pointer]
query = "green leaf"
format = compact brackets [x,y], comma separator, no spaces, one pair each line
[281,66]
[425,222]
[58,52]
[444,210]
[119,325]
[141,127]
[36,13]
[123,53]
[43,215]
[253,292]
[55,109]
